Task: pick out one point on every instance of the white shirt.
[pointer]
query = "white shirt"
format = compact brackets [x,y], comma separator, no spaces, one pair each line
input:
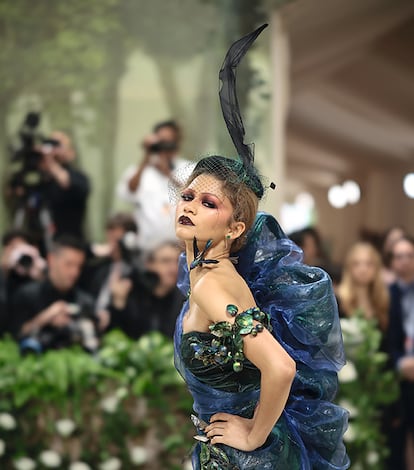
[153,210]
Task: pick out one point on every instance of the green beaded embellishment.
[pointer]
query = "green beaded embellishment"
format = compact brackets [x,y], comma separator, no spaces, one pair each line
[232,310]
[227,344]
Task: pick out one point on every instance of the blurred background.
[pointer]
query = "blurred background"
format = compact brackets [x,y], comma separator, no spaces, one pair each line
[93,95]
[326,95]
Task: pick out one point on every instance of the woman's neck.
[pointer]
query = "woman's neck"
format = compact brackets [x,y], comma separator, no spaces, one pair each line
[364,301]
[361,292]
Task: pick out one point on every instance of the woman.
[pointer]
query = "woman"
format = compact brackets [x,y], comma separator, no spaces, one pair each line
[392,235]
[362,288]
[258,339]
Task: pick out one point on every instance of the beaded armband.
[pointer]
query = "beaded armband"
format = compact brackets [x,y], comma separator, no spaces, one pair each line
[227,344]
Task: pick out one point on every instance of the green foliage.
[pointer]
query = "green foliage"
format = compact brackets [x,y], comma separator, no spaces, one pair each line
[366,387]
[129,395]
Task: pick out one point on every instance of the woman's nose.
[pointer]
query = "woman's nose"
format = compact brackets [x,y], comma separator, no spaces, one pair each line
[190,207]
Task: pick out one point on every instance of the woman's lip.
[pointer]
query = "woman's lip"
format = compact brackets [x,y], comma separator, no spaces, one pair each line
[184,220]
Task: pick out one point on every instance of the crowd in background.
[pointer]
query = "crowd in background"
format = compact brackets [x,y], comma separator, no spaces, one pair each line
[58,289]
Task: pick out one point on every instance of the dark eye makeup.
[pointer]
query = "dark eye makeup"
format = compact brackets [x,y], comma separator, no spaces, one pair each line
[206,201]
[187,196]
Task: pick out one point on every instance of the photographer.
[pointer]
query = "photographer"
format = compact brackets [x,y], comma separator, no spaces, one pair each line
[54,313]
[46,193]
[163,303]
[110,278]
[67,189]
[20,263]
[146,185]
[138,308]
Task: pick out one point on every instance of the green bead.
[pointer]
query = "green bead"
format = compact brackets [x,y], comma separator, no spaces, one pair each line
[232,310]
[237,366]
[254,332]
[259,327]
[215,343]
[239,356]
[245,323]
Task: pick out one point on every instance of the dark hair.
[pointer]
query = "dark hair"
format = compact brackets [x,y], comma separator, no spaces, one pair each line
[67,241]
[299,236]
[241,186]
[405,238]
[122,220]
[13,233]
[170,124]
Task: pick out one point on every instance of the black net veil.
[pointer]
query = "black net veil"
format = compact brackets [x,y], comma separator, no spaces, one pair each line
[239,170]
[228,170]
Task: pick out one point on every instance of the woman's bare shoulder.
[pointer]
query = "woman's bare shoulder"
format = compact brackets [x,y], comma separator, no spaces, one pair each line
[216,290]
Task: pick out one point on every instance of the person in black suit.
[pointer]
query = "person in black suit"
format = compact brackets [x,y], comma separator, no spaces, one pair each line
[20,263]
[67,189]
[111,278]
[401,341]
[140,307]
[54,313]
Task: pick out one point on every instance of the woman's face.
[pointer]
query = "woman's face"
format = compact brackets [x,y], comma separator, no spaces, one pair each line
[363,268]
[204,211]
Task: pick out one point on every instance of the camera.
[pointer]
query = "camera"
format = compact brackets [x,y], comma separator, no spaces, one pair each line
[81,330]
[162,146]
[27,157]
[25,261]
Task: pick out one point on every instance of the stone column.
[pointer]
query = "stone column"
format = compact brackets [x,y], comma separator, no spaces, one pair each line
[274,159]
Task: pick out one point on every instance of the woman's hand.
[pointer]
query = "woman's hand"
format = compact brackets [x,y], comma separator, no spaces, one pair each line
[233,431]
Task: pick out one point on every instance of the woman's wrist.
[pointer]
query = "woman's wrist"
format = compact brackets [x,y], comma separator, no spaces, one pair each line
[256,437]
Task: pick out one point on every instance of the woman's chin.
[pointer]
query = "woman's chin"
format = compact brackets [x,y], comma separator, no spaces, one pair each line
[184,232]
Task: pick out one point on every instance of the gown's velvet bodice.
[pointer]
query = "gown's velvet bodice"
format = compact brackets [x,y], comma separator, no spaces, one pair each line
[219,376]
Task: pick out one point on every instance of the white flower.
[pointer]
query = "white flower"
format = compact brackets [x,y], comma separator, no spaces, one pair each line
[7,421]
[130,372]
[121,393]
[79,466]
[350,434]
[50,458]
[2,447]
[351,330]
[138,455]
[24,463]
[348,373]
[110,404]
[353,410]
[188,465]
[111,464]
[372,457]
[65,427]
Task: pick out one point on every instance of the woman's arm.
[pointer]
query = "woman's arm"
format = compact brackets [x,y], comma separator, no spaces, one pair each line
[277,373]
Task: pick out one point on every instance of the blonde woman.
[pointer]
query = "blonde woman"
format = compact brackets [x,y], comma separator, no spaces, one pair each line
[362,287]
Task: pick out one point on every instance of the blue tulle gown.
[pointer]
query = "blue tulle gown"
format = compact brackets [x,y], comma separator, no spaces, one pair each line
[303,315]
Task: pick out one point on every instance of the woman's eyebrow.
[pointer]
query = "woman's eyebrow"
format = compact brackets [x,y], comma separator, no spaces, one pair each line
[211,194]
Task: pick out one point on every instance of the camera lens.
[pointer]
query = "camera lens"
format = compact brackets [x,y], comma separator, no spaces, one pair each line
[25,261]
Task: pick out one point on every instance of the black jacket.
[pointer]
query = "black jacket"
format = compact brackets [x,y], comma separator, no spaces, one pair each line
[34,297]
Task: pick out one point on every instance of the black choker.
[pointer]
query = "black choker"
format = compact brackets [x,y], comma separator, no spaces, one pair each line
[199,259]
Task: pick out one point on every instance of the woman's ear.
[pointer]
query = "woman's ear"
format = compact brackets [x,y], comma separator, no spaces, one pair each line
[236,230]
